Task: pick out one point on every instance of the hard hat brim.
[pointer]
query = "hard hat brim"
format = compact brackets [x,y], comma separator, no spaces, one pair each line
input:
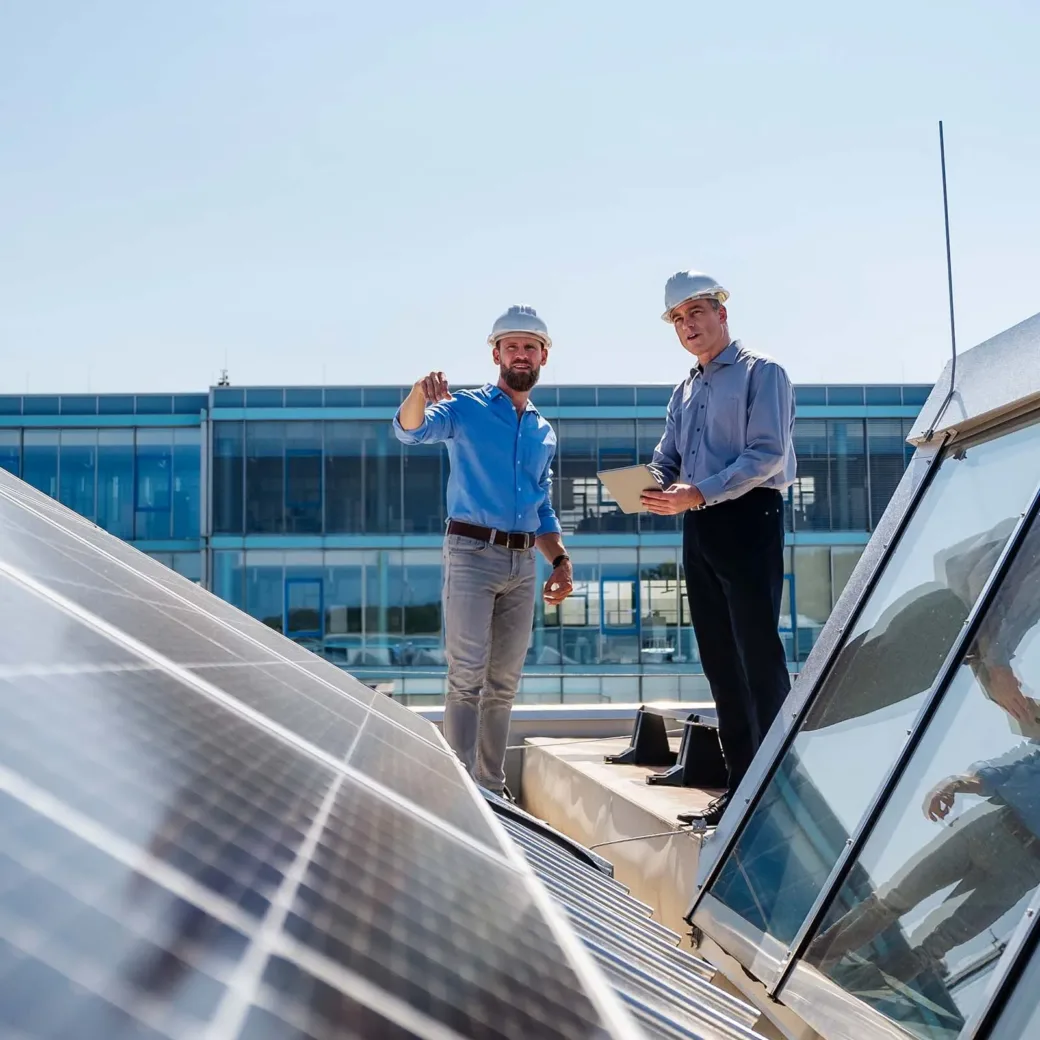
[495,337]
[708,294]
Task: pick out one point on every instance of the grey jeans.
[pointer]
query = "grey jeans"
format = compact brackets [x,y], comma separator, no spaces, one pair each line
[488,613]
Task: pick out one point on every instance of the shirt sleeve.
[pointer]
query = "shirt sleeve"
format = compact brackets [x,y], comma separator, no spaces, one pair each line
[768,437]
[547,520]
[438,425]
[1020,761]
[667,462]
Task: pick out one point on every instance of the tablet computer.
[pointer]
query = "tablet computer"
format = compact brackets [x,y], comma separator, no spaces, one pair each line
[627,484]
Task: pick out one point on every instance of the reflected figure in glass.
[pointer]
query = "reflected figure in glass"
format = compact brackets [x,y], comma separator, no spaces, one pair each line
[946,874]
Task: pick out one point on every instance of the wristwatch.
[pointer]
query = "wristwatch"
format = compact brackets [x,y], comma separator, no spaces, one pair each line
[559,559]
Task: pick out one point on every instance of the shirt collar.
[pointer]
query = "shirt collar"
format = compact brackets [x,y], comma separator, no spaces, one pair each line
[493,391]
[727,357]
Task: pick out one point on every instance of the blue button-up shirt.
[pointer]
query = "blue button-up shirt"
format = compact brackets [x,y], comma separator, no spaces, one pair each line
[501,475]
[729,428]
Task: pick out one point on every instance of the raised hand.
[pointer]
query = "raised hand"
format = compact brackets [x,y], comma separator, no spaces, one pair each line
[434,388]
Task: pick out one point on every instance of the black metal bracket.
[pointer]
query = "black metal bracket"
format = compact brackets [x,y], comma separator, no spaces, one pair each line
[699,762]
[649,746]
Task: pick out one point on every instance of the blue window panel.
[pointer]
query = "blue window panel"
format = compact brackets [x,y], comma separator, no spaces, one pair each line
[115,485]
[343,397]
[423,488]
[40,406]
[228,397]
[116,404]
[154,404]
[884,395]
[656,396]
[344,477]
[228,578]
[189,404]
[228,480]
[850,510]
[303,477]
[544,396]
[153,483]
[304,608]
[265,588]
[11,451]
[264,397]
[40,460]
[576,395]
[77,469]
[79,404]
[811,493]
[916,395]
[344,582]
[617,395]
[303,397]
[10,406]
[845,395]
[265,477]
[188,565]
[382,478]
[187,495]
[383,396]
[810,395]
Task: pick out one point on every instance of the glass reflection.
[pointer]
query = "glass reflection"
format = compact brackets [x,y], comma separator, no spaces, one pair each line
[947,873]
[878,682]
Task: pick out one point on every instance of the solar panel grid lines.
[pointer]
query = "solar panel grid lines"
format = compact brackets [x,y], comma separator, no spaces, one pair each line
[230,1016]
[397,901]
[199,601]
[135,858]
[617,1018]
[483,842]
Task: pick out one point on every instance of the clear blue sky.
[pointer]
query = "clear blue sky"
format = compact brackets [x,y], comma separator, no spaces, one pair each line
[352,192]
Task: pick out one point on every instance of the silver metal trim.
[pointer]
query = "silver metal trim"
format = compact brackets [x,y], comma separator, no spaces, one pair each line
[996,379]
[834,1012]
[901,508]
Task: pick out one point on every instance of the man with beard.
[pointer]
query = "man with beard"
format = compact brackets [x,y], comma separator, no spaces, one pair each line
[500,452]
[724,461]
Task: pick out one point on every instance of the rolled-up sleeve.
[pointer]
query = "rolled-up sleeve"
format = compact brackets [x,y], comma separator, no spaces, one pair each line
[667,462]
[548,523]
[438,425]
[768,437]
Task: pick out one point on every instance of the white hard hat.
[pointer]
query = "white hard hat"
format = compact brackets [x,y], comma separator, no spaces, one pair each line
[520,319]
[690,285]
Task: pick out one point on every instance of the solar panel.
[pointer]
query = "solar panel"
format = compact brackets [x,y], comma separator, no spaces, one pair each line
[668,990]
[206,832]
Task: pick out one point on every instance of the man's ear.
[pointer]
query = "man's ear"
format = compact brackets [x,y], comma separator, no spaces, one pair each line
[545,356]
[496,355]
[723,313]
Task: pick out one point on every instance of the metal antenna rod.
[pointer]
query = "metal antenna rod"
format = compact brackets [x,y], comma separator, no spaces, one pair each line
[949,282]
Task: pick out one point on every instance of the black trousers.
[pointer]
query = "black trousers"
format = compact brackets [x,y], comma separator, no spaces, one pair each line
[733,554]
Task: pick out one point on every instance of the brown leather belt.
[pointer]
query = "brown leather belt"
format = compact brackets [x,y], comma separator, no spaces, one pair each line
[515,540]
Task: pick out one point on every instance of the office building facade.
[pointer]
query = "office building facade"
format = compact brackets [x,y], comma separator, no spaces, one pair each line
[300,506]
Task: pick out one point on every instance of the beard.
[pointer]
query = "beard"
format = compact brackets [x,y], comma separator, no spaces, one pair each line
[520,379]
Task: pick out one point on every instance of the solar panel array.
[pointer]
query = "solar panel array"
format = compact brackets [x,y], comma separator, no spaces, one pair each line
[667,989]
[208,832]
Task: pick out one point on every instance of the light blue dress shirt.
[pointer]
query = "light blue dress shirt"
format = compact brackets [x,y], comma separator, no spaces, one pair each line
[729,428]
[501,475]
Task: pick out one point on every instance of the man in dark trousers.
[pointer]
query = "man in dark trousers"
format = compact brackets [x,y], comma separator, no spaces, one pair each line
[724,461]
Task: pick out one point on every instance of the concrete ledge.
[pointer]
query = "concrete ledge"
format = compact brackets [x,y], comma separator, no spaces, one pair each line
[568,785]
